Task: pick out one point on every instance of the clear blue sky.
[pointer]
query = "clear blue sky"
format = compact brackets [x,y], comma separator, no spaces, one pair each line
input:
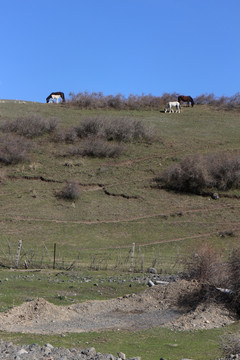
[119,46]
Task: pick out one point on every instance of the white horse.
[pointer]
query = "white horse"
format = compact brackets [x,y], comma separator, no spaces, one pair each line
[172,104]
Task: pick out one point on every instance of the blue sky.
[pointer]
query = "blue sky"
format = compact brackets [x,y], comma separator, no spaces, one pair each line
[119,46]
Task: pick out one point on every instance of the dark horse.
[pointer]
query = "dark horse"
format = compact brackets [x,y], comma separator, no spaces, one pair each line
[55,95]
[187,99]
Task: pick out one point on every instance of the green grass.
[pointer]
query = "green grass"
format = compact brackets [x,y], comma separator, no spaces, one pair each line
[150,344]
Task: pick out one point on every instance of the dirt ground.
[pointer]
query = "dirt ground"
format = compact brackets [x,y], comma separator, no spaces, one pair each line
[156,306]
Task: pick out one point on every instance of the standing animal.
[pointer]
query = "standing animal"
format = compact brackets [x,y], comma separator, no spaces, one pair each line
[171,105]
[188,99]
[55,96]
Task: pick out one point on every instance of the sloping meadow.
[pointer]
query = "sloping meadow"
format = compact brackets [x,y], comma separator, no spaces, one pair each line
[78,187]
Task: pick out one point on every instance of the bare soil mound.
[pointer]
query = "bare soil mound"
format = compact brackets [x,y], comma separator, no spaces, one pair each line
[156,306]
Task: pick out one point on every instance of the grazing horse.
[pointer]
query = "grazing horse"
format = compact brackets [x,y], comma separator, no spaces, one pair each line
[187,99]
[172,104]
[55,96]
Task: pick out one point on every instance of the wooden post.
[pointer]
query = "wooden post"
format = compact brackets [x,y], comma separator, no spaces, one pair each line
[132,257]
[18,253]
[54,255]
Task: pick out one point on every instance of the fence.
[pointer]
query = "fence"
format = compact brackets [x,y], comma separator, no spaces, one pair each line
[131,259]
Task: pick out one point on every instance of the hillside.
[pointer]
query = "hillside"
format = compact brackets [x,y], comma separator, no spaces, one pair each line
[118,205]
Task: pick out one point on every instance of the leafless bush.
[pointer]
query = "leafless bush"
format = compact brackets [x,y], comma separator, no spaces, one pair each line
[71,191]
[68,135]
[234,267]
[14,149]
[190,175]
[126,130]
[224,170]
[205,264]
[118,129]
[90,127]
[197,173]
[234,278]
[230,344]
[30,127]
[223,102]
[97,147]
[95,100]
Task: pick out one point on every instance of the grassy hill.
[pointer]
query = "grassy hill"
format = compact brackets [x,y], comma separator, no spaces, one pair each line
[118,204]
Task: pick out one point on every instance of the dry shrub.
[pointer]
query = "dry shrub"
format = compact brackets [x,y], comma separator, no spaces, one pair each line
[97,100]
[207,271]
[197,173]
[14,149]
[71,191]
[222,103]
[85,100]
[68,135]
[31,126]
[230,345]
[205,264]
[234,278]
[224,170]
[118,129]
[126,130]
[234,267]
[97,147]
[190,175]
[90,126]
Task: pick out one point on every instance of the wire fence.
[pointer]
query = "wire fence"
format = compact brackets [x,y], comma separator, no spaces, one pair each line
[130,259]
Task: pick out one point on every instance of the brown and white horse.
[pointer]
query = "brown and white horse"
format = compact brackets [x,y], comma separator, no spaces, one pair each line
[55,96]
[188,99]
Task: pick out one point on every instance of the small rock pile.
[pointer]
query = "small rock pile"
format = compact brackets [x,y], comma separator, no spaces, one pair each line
[8,351]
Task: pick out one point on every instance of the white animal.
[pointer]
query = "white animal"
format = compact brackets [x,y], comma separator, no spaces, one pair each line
[54,97]
[171,105]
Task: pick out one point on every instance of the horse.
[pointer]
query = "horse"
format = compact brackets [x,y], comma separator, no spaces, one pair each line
[188,99]
[55,96]
[172,104]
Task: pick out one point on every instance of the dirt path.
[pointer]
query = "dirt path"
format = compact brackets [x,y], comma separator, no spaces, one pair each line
[153,307]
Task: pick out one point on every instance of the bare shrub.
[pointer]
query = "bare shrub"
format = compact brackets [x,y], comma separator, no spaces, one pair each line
[234,267]
[126,130]
[14,149]
[234,277]
[205,264]
[197,173]
[90,126]
[224,170]
[190,175]
[68,135]
[71,191]
[97,147]
[207,271]
[222,103]
[30,127]
[95,100]
[118,129]
[230,344]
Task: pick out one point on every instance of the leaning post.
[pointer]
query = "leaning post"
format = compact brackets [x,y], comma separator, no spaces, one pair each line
[18,253]
[132,257]
[54,255]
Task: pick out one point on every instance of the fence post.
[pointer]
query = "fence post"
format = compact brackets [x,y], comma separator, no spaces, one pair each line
[54,255]
[132,257]
[18,253]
